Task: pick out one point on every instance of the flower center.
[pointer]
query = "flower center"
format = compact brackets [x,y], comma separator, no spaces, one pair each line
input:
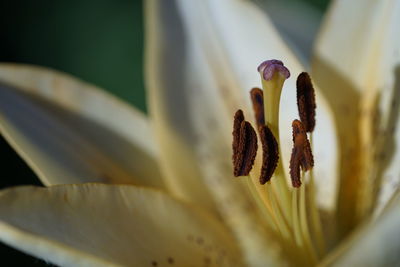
[291,213]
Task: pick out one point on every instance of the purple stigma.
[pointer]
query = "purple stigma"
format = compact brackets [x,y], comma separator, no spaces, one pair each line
[269,63]
[269,67]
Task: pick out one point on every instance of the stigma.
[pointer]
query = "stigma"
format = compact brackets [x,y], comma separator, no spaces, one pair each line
[270,68]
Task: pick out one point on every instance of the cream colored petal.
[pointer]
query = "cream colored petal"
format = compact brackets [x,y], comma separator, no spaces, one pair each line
[198,76]
[168,99]
[386,98]
[356,63]
[387,172]
[376,244]
[95,224]
[352,40]
[71,132]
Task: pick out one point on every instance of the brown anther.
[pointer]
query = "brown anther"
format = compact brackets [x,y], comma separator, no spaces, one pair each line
[257,98]
[295,166]
[306,101]
[237,121]
[270,153]
[244,145]
[301,153]
[300,138]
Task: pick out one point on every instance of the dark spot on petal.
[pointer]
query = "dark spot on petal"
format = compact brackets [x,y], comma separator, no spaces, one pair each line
[223,252]
[65,197]
[190,238]
[200,241]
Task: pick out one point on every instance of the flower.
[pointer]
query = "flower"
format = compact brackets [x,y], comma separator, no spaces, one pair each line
[201,60]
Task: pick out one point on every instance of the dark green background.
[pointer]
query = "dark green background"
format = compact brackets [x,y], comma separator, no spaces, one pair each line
[100,41]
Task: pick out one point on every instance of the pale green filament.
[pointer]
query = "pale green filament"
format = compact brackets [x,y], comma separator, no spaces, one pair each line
[266,210]
[304,225]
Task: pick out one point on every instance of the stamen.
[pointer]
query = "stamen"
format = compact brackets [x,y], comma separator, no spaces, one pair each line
[257,98]
[301,153]
[270,154]
[244,145]
[306,101]
[269,67]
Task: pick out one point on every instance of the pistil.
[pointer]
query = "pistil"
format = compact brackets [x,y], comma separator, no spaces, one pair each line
[273,75]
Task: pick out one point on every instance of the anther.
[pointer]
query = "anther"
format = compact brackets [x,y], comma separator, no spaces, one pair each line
[301,153]
[270,154]
[306,101]
[269,67]
[295,166]
[257,98]
[300,138]
[244,145]
[237,121]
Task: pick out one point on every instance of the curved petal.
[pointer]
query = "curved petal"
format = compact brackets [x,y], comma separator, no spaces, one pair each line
[353,40]
[94,224]
[71,132]
[376,244]
[169,102]
[356,63]
[197,77]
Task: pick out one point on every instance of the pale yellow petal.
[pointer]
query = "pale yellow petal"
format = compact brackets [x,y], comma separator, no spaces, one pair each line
[352,40]
[91,224]
[375,244]
[170,102]
[71,132]
[356,64]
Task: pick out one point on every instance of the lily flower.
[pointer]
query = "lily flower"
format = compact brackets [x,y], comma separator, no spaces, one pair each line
[127,190]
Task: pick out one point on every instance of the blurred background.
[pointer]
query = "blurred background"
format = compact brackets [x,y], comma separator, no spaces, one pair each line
[99,41]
